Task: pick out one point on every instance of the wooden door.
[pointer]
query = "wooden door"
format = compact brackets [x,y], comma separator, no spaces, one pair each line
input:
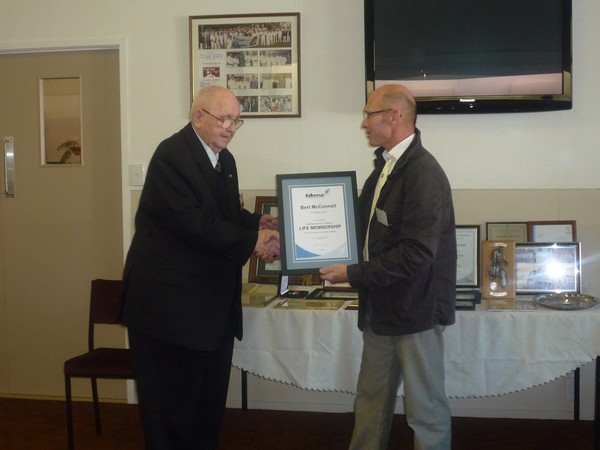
[63,227]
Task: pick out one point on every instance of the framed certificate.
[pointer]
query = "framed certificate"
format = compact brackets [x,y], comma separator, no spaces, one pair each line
[507,231]
[317,221]
[553,231]
[467,251]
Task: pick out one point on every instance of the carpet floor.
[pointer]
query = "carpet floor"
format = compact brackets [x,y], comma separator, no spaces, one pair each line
[41,425]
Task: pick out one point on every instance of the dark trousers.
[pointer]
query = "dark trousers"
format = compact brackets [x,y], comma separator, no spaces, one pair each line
[182,392]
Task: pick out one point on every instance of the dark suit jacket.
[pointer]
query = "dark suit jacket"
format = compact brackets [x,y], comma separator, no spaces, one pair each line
[183,270]
[410,278]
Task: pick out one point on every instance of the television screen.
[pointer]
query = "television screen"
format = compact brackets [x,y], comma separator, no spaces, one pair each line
[472,55]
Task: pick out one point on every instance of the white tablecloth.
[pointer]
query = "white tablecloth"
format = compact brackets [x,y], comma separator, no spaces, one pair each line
[488,353]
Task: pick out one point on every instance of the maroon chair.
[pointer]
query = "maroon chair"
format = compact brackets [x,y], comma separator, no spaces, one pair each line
[111,363]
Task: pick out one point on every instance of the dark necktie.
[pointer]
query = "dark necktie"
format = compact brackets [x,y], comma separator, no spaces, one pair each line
[218,166]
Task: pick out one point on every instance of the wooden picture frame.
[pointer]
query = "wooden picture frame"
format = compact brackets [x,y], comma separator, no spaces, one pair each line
[257,56]
[507,231]
[258,270]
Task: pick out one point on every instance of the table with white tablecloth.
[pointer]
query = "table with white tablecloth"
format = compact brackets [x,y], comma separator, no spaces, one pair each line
[488,353]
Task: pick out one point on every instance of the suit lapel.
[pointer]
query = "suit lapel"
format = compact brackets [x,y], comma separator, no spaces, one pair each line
[229,174]
[219,184]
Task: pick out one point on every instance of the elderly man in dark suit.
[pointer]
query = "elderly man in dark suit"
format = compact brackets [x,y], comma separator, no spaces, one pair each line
[407,281]
[183,276]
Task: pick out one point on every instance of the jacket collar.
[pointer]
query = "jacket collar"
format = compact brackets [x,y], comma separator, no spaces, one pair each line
[411,150]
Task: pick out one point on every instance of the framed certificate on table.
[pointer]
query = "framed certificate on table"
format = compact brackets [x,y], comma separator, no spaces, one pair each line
[467,251]
[507,231]
[553,231]
[317,221]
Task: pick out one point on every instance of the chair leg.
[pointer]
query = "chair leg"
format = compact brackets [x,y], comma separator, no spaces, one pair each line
[96,406]
[69,412]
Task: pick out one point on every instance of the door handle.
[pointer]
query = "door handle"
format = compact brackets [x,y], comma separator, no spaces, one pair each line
[9,166]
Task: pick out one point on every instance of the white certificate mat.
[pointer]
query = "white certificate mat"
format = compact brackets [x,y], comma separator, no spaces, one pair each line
[317,220]
[319,224]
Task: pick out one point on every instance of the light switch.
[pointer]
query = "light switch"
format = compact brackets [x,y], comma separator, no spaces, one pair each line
[137,173]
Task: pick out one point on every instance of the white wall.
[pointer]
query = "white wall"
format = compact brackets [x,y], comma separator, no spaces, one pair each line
[537,150]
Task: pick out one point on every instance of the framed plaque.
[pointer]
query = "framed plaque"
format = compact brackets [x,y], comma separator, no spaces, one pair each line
[258,295]
[467,251]
[498,271]
[317,221]
[543,268]
[337,294]
[553,231]
[507,231]
[289,303]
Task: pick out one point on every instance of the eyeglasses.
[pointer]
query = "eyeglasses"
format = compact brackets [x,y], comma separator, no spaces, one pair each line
[367,115]
[226,123]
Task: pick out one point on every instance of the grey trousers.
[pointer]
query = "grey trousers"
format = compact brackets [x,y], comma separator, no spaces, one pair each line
[418,360]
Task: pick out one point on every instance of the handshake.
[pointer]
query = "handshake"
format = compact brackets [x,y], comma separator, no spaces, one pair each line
[267,244]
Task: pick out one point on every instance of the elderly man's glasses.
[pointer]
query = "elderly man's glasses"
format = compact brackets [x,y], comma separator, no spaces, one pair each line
[226,123]
[368,114]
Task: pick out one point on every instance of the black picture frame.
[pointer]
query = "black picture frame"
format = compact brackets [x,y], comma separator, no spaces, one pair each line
[468,250]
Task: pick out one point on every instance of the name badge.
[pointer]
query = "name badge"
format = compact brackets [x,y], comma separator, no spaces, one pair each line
[381,217]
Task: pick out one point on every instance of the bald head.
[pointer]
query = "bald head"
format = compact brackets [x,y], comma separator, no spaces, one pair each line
[206,97]
[213,115]
[397,96]
[390,115]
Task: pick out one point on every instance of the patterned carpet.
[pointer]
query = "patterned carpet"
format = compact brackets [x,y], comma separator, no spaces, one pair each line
[41,425]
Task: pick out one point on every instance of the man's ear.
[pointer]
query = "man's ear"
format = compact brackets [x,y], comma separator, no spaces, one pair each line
[196,115]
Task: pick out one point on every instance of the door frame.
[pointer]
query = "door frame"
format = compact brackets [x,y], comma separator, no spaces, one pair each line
[87,45]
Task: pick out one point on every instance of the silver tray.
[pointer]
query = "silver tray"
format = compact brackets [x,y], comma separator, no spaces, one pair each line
[566,301]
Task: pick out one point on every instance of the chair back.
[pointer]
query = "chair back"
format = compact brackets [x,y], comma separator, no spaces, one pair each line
[105,304]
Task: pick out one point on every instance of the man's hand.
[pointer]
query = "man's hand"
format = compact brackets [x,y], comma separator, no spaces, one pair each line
[267,245]
[338,273]
[268,222]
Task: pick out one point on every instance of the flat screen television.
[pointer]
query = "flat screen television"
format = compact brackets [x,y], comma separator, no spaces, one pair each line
[472,56]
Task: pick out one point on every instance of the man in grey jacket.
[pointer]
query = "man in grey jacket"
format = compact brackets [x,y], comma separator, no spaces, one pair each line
[407,280]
